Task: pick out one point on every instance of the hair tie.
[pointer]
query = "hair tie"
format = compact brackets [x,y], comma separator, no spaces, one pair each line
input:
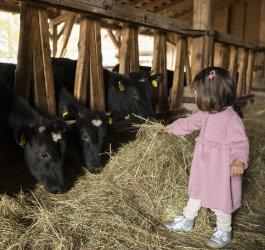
[211,75]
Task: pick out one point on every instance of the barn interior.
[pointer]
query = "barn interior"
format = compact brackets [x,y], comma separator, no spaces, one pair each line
[143,183]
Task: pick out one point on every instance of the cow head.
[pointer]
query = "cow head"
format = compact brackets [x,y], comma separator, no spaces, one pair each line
[132,94]
[44,148]
[89,129]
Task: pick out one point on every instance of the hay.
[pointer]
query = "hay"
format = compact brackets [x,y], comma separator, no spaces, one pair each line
[143,185]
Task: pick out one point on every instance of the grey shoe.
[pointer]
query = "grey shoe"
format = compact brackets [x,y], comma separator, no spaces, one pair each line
[180,224]
[219,239]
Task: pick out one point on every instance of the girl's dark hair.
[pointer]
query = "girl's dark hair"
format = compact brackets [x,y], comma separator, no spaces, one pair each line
[215,90]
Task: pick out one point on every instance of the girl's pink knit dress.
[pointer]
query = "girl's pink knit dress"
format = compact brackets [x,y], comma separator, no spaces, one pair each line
[222,140]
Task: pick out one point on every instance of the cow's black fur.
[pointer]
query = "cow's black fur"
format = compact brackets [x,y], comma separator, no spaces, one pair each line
[42,140]
[89,129]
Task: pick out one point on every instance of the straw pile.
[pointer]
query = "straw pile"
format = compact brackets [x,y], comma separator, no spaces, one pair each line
[143,185]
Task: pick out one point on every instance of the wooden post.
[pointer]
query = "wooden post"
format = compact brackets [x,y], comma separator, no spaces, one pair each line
[125,51]
[249,76]
[82,75]
[232,62]
[129,53]
[24,57]
[97,90]
[55,38]
[44,95]
[66,34]
[159,65]
[134,50]
[242,63]
[202,47]
[220,55]
[178,80]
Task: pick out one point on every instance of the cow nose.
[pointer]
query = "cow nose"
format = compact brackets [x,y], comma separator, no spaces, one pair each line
[95,170]
[55,189]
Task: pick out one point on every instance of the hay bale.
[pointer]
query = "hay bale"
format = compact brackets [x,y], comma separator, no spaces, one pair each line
[143,185]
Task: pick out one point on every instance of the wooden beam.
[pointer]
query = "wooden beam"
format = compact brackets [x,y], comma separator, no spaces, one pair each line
[97,90]
[113,38]
[134,50]
[66,34]
[54,38]
[24,57]
[178,80]
[124,56]
[159,65]
[60,19]
[44,95]
[116,11]
[82,75]
[242,64]
[9,7]
[202,47]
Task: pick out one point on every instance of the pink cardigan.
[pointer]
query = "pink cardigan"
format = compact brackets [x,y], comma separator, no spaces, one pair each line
[222,140]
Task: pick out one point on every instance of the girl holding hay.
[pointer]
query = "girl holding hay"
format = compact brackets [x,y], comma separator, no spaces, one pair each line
[220,156]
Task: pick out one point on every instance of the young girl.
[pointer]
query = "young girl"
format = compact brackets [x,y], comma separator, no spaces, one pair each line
[220,156]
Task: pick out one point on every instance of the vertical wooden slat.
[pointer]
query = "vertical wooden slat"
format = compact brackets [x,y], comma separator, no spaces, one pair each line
[54,40]
[249,76]
[129,52]
[43,77]
[232,62]
[220,55]
[134,50]
[159,65]
[187,62]
[24,57]
[125,51]
[66,34]
[82,75]
[97,91]
[242,63]
[178,80]
[202,47]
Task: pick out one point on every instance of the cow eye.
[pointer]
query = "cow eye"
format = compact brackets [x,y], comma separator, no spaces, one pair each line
[85,137]
[44,155]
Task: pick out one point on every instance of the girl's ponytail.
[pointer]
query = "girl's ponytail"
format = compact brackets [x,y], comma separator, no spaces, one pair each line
[237,108]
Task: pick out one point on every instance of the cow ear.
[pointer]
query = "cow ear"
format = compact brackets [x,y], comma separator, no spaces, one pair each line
[24,136]
[156,80]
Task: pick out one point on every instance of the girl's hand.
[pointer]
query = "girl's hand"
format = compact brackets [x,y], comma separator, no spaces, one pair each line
[167,129]
[237,168]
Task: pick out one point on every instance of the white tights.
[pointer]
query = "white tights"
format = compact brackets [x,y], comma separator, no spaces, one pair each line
[223,220]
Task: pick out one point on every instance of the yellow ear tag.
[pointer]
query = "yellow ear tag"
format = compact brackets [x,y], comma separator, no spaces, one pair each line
[65,114]
[154,83]
[23,140]
[109,120]
[121,86]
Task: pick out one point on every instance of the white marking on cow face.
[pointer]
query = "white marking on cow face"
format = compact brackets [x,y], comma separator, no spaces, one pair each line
[42,129]
[70,122]
[127,117]
[107,113]
[56,136]
[96,122]
[142,80]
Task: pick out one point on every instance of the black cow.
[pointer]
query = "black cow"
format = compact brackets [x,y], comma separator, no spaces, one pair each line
[43,140]
[89,129]
[125,95]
